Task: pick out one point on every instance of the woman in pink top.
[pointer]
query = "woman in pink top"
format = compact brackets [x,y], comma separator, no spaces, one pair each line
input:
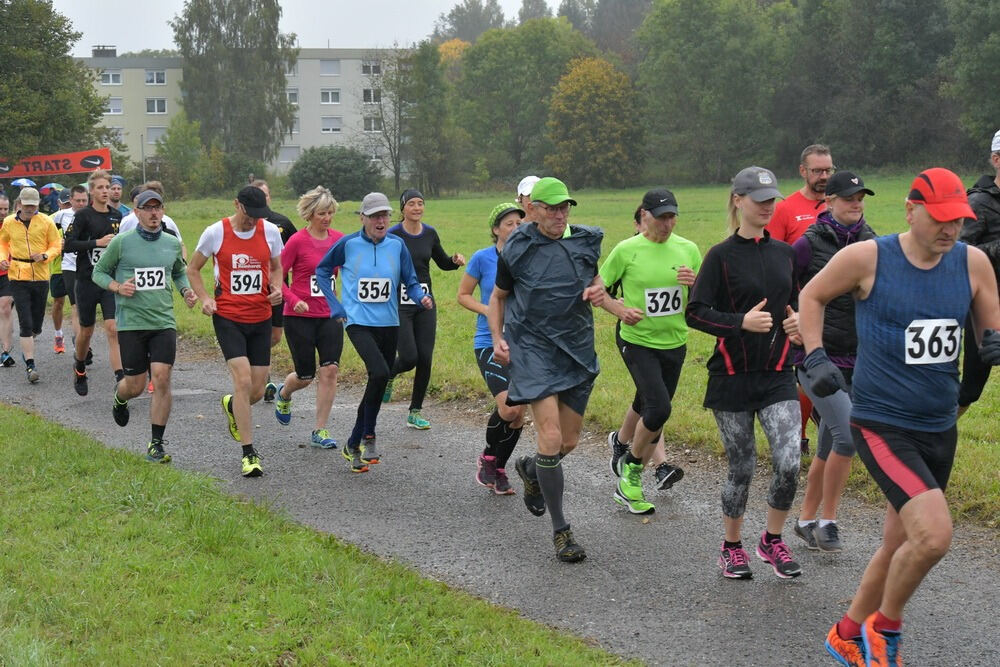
[309,329]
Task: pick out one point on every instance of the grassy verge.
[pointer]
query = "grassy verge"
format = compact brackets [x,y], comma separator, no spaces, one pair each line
[107,559]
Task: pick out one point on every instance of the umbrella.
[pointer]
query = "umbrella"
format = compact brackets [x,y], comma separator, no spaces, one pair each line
[23,182]
[49,187]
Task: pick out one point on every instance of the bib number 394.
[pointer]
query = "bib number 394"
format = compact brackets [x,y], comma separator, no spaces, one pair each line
[662,301]
[932,341]
[246,281]
[154,277]
[405,299]
[373,290]
[314,286]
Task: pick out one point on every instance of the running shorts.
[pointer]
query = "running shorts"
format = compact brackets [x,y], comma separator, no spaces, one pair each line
[238,339]
[307,336]
[88,297]
[4,285]
[494,374]
[277,315]
[141,348]
[69,281]
[57,286]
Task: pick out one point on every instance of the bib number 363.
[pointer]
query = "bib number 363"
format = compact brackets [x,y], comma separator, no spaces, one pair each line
[932,341]
[373,290]
[246,281]
[662,301]
[154,277]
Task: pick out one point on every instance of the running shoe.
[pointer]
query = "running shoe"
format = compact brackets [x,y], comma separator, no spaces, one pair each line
[80,382]
[848,652]
[567,550]
[353,454]
[90,357]
[779,557]
[155,453]
[321,438]
[807,535]
[828,537]
[227,409]
[414,420]
[667,475]
[628,491]
[502,486]
[270,389]
[32,374]
[486,471]
[251,465]
[369,454]
[735,563]
[618,450]
[282,407]
[6,359]
[387,394]
[119,409]
[533,498]
[59,346]
[881,648]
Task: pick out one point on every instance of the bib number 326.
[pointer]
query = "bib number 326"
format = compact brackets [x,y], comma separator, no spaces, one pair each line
[932,341]
[662,301]
[246,281]
[154,277]
[373,290]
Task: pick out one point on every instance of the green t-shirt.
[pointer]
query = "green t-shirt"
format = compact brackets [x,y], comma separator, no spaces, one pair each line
[648,273]
[153,265]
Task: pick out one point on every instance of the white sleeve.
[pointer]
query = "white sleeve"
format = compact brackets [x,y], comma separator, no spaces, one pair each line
[211,240]
[273,235]
[169,223]
[128,223]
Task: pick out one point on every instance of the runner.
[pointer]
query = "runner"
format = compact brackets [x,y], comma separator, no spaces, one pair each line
[418,326]
[245,253]
[503,428]
[57,286]
[543,330]
[654,269]
[78,199]
[88,235]
[115,196]
[913,292]
[744,295]
[6,302]
[374,266]
[841,224]
[311,330]
[138,267]
[29,241]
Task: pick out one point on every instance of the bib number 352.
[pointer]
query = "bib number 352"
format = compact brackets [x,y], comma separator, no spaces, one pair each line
[246,281]
[373,290]
[932,341]
[662,301]
[154,277]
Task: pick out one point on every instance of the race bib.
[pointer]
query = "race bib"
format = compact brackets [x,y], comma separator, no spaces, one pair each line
[405,299]
[932,341]
[314,286]
[246,281]
[373,290]
[95,255]
[662,301]
[153,277]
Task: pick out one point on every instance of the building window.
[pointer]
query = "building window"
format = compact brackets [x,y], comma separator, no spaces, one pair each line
[329,96]
[156,77]
[111,77]
[372,96]
[371,67]
[156,105]
[295,126]
[373,124]
[289,154]
[154,133]
[329,68]
[330,124]
[293,96]
[292,69]
[114,107]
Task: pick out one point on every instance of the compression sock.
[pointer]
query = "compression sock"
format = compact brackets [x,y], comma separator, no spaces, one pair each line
[847,628]
[508,441]
[494,431]
[885,624]
[550,479]
[158,430]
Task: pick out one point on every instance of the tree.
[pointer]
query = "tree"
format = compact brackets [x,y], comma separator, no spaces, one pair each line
[614,22]
[235,61]
[178,152]
[47,99]
[579,13]
[383,107]
[594,126]
[151,53]
[972,66]
[346,172]
[533,9]
[468,20]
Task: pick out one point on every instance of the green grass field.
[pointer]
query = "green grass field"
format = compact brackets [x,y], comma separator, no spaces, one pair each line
[112,560]
[461,223]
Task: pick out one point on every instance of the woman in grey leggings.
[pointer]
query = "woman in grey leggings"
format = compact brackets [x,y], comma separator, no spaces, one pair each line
[745,297]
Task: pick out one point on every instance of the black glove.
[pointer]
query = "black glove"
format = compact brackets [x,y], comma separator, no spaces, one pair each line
[822,378]
[989,351]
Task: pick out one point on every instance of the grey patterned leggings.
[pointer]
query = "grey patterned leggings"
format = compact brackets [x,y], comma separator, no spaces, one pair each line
[781,423]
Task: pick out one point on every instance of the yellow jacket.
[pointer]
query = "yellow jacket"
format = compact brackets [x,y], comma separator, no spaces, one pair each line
[19,241]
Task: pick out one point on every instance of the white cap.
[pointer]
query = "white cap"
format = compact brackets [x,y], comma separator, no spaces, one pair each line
[995,148]
[528,182]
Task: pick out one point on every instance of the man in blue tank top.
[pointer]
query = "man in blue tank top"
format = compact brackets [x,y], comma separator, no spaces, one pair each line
[913,292]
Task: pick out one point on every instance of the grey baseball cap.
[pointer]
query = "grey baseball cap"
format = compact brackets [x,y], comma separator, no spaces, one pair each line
[374,202]
[758,182]
[147,196]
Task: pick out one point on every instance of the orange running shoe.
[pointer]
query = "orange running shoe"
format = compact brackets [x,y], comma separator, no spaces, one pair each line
[59,346]
[848,652]
[881,648]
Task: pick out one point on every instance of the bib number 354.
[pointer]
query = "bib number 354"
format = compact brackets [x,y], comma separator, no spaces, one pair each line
[932,341]
[373,290]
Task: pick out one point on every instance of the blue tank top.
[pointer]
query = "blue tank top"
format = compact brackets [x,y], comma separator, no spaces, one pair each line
[910,334]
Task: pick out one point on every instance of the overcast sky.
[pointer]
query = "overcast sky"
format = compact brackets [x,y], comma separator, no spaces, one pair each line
[133,26]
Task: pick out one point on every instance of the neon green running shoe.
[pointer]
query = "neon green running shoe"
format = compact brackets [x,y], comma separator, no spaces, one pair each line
[628,492]
[227,409]
[251,465]
[353,455]
[387,394]
[155,453]
[414,420]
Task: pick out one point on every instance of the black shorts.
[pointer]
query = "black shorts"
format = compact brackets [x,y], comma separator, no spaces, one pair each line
[4,285]
[69,282]
[903,462]
[57,286]
[574,398]
[238,339]
[88,296]
[139,349]
[307,336]
[494,374]
[278,315]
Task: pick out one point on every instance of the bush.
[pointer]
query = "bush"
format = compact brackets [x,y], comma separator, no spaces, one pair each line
[347,173]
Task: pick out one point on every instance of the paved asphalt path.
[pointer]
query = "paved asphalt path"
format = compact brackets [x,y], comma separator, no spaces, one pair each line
[649,589]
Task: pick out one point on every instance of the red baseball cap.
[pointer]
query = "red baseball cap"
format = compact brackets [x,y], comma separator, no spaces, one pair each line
[942,193]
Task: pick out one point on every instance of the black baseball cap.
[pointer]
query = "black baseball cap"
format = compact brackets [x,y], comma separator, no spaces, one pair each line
[845,184]
[659,202]
[254,201]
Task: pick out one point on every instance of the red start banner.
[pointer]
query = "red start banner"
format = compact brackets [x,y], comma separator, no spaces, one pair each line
[52,165]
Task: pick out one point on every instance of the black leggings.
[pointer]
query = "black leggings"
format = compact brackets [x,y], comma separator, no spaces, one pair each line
[417,330]
[30,297]
[376,346]
[655,374]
